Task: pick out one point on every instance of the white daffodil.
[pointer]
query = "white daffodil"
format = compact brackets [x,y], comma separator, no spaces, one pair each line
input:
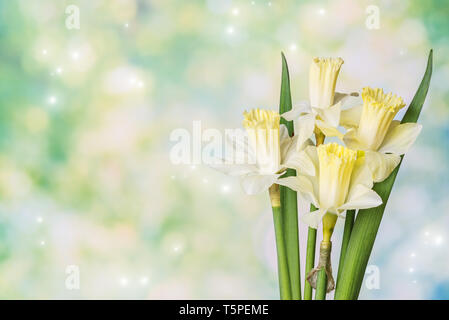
[340,181]
[263,154]
[371,128]
[324,106]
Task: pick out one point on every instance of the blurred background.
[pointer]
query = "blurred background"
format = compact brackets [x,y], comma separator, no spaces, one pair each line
[85,122]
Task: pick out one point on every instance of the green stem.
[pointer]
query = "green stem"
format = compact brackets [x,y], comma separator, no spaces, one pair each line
[290,217]
[310,261]
[284,278]
[349,223]
[321,285]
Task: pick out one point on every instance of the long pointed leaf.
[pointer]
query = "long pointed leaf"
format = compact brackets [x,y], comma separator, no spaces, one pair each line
[367,222]
[288,196]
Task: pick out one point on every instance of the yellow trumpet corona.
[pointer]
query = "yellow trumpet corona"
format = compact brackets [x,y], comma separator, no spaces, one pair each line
[336,165]
[379,110]
[262,127]
[322,81]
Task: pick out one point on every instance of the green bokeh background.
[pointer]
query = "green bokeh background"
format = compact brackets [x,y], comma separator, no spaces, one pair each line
[85,122]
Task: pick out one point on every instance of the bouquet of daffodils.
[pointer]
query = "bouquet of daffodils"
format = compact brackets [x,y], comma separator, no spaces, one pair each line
[351,179]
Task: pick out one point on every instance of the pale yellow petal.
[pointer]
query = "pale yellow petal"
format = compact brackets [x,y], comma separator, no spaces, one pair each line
[328,130]
[361,173]
[381,165]
[361,198]
[313,219]
[300,161]
[351,140]
[300,184]
[304,128]
[330,115]
[256,183]
[342,97]
[350,118]
[400,138]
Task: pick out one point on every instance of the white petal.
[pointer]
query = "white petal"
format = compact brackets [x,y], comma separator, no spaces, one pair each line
[296,111]
[312,153]
[300,184]
[313,219]
[239,159]
[381,165]
[300,161]
[330,115]
[350,118]
[328,130]
[304,129]
[361,174]
[256,183]
[285,141]
[283,132]
[342,97]
[400,137]
[233,169]
[361,198]
[238,150]
[351,140]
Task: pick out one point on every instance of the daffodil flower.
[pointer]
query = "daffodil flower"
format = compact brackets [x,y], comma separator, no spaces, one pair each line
[324,106]
[340,181]
[371,128]
[265,153]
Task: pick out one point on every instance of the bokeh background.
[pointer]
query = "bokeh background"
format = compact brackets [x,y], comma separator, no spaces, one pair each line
[85,121]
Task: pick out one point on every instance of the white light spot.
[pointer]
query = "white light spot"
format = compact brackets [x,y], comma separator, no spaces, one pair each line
[411,270]
[126,25]
[140,84]
[235,11]
[438,240]
[39,219]
[321,12]
[427,233]
[123,281]
[293,47]
[59,70]
[414,281]
[44,52]
[225,188]
[42,243]
[75,55]
[269,4]
[253,2]
[230,30]
[192,167]
[205,180]
[143,281]
[412,255]
[52,99]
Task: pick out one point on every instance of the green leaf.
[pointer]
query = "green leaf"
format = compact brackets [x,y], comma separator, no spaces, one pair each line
[288,197]
[349,223]
[285,103]
[368,220]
